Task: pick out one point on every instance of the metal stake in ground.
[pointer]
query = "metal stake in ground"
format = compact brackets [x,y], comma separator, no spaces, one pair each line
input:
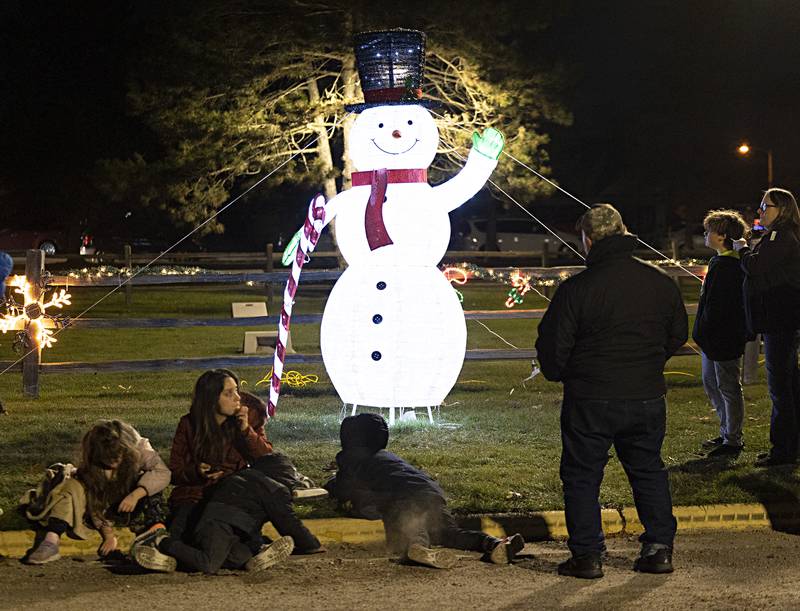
[34,269]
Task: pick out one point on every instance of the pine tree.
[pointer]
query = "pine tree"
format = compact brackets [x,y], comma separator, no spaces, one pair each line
[232,90]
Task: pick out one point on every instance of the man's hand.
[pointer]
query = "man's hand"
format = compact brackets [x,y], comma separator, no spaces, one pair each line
[204,469]
[128,504]
[490,144]
[739,244]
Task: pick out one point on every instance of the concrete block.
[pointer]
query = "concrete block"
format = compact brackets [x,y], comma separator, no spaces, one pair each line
[248,309]
[260,342]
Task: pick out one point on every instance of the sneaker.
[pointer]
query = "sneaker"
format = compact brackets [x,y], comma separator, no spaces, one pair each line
[270,555]
[149,557]
[46,552]
[153,536]
[440,558]
[588,566]
[309,494]
[712,443]
[654,560]
[725,450]
[506,549]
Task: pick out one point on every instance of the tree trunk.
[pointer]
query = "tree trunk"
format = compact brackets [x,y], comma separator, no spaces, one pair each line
[325,156]
[350,92]
[324,153]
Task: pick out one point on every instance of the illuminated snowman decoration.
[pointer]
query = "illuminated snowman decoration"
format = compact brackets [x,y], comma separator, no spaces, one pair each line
[393,331]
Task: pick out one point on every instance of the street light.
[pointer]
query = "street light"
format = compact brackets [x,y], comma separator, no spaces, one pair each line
[744,149]
[753,348]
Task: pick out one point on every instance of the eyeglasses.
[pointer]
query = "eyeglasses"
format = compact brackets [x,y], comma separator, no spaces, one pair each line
[764,205]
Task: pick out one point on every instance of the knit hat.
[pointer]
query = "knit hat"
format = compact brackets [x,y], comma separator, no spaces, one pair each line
[601,221]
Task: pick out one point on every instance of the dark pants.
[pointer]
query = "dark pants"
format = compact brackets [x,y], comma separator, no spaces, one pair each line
[148,512]
[636,429]
[182,520]
[427,521]
[227,537]
[278,505]
[215,544]
[783,379]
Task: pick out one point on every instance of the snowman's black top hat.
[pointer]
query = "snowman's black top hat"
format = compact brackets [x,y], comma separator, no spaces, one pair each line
[390,65]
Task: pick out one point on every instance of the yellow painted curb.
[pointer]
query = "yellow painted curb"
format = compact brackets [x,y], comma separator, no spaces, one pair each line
[14,543]
[551,524]
[340,530]
[557,522]
[711,517]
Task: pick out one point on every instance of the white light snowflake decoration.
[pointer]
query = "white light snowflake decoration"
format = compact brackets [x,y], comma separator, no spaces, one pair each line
[32,313]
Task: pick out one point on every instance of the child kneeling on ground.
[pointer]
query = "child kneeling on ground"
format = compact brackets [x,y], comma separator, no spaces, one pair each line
[720,330]
[228,531]
[381,485]
[119,480]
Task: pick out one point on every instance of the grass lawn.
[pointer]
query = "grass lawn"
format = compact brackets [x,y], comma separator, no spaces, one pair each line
[496,448]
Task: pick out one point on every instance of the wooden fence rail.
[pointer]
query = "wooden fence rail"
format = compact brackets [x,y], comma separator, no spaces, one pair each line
[259,321]
[232,362]
[309,276]
[32,365]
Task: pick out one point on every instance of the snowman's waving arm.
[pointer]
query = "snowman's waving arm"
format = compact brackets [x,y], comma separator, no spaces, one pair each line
[481,162]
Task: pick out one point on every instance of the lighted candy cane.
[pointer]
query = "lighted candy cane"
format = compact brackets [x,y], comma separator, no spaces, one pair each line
[308,237]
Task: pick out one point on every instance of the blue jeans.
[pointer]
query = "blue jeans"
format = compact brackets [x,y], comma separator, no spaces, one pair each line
[636,429]
[722,383]
[783,379]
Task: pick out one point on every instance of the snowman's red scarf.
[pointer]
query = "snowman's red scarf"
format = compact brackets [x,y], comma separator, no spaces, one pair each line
[377,235]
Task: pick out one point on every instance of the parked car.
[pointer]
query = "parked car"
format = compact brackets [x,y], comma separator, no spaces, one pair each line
[51,241]
[522,234]
[110,234]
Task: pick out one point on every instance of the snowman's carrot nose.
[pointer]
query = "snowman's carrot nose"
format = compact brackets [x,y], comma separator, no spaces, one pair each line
[396,134]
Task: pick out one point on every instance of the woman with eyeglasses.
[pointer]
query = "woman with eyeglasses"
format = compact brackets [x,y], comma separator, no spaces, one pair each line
[772,306]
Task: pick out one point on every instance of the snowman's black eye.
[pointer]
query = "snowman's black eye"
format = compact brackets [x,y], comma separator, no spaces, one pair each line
[410,122]
[380,124]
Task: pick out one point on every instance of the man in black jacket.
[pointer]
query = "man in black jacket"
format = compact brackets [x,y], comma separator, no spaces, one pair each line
[607,336]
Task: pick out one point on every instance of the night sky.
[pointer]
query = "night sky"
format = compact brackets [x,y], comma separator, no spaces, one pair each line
[666,92]
[661,92]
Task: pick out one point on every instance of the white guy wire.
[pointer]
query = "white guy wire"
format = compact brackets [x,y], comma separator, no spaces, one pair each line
[495,334]
[582,203]
[526,211]
[160,255]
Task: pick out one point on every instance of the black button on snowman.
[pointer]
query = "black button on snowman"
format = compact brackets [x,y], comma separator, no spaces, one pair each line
[402,347]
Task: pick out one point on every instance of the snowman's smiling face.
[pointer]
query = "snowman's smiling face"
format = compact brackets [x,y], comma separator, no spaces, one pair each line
[393,137]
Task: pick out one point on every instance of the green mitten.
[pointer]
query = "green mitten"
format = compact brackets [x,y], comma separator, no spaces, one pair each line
[291,248]
[490,144]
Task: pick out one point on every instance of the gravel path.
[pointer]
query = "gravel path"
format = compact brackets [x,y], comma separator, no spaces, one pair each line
[717,570]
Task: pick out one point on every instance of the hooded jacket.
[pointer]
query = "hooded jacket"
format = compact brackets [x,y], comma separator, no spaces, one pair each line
[369,476]
[609,330]
[243,498]
[772,283]
[719,327]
